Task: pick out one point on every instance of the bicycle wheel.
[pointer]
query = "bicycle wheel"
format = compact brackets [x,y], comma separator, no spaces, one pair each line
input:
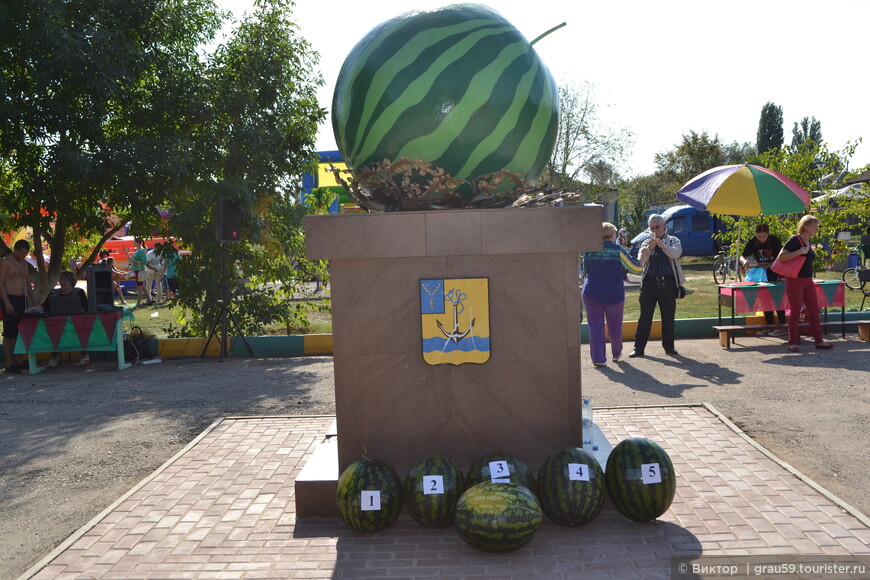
[720,266]
[851,278]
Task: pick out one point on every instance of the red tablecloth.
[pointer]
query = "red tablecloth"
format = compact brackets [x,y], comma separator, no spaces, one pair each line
[752,297]
[55,333]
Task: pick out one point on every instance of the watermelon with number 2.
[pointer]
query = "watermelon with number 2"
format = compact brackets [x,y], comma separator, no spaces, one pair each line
[640,478]
[432,488]
[571,487]
[369,495]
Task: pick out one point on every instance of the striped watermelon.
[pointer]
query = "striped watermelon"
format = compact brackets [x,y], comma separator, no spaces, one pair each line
[498,517]
[500,468]
[571,487]
[369,495]
[640,479]
[459,87]
[432,487]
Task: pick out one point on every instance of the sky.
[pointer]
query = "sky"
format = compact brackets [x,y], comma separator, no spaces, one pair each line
[662,69]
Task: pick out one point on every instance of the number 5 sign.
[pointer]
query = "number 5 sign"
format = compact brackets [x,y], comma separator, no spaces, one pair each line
[650,473]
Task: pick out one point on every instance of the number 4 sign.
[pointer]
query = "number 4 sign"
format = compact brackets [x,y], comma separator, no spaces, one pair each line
[578,472]
[650,473]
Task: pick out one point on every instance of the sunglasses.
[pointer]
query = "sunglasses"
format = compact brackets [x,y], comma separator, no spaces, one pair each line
[658,227]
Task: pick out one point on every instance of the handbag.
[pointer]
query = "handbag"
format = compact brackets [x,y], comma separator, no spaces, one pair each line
[756,275]
[789,268]
[681,292]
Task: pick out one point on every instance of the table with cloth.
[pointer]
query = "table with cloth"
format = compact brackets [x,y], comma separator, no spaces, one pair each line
[768,297]
[77,332]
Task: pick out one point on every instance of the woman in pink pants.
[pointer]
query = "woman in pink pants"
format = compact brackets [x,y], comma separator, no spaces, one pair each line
[801,291]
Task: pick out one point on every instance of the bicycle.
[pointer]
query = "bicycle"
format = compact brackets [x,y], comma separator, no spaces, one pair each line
[852,277]
[725,267]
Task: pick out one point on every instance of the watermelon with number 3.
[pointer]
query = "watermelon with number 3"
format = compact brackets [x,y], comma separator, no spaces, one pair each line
[640,479]
[500,468]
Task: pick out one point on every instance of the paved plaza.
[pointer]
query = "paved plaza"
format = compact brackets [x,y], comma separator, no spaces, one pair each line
[224,508]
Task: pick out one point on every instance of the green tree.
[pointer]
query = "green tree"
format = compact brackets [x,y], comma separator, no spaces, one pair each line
[806,133]
[583,140]
[259,132]
[769,128]
[99,105]
[694,155]
[637,196]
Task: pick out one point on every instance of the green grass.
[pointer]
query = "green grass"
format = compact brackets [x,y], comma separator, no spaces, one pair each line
[700,303]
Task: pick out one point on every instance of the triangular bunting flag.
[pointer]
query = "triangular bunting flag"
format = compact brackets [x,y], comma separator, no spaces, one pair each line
[750,293]
[830,291]
[55,326]
[26,329]
[97,337]
[108,320]
[82,325]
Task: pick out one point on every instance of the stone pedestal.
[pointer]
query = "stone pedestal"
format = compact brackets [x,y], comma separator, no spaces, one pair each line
[393,406]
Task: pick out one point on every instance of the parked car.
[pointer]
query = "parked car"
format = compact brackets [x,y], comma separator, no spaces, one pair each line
[694,228]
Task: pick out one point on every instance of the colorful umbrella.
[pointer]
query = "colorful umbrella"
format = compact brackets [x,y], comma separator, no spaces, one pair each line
[745,189]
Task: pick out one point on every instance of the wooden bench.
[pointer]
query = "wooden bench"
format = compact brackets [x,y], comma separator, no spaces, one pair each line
[726,333]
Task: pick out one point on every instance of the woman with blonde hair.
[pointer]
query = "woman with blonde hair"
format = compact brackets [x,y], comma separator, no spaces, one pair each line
[801,291]
[604,294]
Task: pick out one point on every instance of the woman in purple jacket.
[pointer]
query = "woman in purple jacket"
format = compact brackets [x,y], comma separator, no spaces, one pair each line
[604,294]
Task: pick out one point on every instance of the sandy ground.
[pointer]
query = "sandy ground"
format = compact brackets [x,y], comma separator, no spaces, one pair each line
[72,441]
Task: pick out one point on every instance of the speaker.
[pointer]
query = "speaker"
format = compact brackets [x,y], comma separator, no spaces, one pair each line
[101,296]
[228,220]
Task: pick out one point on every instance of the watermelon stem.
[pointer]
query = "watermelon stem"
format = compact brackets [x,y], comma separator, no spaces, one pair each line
[554,29]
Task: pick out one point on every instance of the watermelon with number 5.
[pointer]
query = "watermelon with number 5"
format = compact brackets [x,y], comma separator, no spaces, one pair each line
[369,495]
[640,479]
[571,487]
[458,87]
[500,468]
[432,488]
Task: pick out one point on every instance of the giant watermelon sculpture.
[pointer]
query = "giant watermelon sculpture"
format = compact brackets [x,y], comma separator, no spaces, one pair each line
[640,479]
[459,88]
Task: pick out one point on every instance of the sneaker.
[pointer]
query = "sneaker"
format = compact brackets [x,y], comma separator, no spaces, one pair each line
[762,333]
[616,359]
[83,362]
[599,364]
[824,345]
[779,332]
[794,348]
[53,363]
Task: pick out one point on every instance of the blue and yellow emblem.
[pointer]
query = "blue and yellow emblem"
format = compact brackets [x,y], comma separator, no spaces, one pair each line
[455,320]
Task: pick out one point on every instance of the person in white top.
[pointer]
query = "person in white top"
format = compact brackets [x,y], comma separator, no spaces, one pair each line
[154,269]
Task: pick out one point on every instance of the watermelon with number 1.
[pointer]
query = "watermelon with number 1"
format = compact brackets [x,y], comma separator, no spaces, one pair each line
[571,487]
[640,479]
[432,488]
[458,87]
[369,495]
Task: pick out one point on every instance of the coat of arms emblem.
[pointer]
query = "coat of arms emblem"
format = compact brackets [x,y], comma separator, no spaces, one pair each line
[455,320]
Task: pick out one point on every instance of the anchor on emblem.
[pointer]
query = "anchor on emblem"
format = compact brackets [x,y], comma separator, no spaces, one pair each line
[456,297]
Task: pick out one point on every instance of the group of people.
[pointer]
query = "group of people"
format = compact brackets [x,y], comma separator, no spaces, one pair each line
[662,279]
[149,268]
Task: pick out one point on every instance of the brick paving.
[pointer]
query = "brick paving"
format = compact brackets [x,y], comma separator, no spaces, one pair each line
[224,509]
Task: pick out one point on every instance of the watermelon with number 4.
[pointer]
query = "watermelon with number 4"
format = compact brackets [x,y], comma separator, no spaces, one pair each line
[458,87]
[369,495]
[500,468]
[571,487]
[432,488]
[640,479]
[498,517]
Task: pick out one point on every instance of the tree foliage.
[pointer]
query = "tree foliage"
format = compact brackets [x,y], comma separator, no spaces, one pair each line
[769,128]
[805,133]
[584,145]
[99,104]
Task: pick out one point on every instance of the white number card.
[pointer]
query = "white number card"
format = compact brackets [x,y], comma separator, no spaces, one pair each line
[499,472]
[433,484]
[650,473]
[578,472]
[370,500]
